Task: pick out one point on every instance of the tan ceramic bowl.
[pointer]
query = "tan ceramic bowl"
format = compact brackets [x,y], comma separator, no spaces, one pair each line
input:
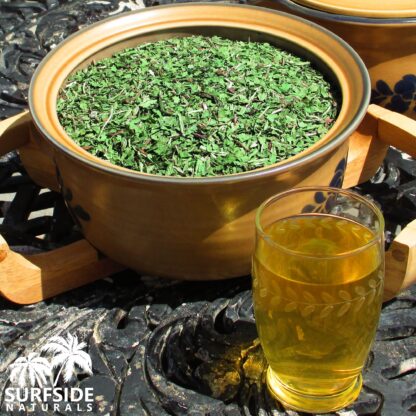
[384,37]
[187,228]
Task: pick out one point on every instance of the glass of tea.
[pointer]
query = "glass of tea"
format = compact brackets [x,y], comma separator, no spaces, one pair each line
[318,271]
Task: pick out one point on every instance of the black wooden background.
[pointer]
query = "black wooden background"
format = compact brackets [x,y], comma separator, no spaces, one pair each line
[161,347]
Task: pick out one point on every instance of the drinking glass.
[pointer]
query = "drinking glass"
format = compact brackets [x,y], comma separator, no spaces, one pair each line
[318,272]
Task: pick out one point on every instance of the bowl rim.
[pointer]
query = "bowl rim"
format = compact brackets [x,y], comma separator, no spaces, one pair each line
[344,18]
[280,167]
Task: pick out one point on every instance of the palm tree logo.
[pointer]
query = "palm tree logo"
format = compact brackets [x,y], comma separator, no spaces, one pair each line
[31,371]
[67,353]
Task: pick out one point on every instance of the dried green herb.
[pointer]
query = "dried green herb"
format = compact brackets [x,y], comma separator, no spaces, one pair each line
[197,106]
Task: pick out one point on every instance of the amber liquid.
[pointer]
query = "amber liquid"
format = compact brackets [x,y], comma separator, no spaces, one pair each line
[317,311]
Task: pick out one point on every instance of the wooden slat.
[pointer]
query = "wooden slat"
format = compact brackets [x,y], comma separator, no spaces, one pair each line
[401,262]
[26,280]
[366,153]
[14,132]
[395,129]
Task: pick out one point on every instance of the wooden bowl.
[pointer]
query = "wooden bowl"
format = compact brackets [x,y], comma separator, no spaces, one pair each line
[384,35]
[184,228]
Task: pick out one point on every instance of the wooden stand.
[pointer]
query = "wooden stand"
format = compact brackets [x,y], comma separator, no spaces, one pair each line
[29,279]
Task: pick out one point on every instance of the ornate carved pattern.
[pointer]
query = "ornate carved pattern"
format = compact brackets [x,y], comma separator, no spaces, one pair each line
[161,347]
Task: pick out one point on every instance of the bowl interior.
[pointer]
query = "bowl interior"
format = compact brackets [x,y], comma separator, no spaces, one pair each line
[233,34]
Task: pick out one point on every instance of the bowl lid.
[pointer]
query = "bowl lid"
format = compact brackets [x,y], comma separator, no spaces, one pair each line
[366,8]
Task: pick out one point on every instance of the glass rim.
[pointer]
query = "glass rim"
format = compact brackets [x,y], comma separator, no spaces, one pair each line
[349,193]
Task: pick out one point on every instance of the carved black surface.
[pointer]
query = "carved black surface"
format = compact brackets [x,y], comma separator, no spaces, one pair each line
[160,347]
[22,232]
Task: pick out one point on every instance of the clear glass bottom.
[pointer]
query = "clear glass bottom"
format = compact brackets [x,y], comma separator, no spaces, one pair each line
[311,403]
